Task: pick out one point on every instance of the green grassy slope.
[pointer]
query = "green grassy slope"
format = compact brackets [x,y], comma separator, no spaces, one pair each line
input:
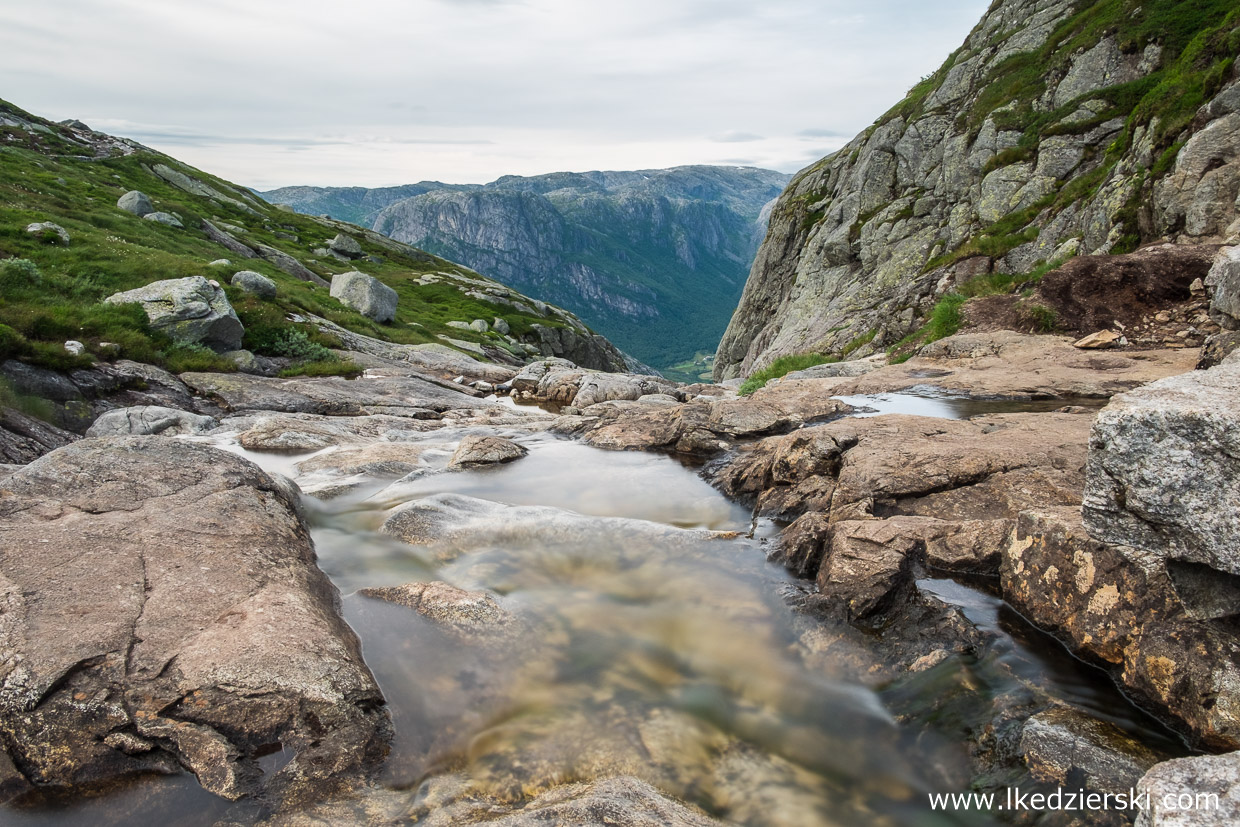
[51,292]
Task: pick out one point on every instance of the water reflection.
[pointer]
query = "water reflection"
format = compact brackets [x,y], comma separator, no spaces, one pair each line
[927,400]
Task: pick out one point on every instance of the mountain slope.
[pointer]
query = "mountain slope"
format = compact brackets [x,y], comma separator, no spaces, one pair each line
[653,259]
[52,291]
[1058,127]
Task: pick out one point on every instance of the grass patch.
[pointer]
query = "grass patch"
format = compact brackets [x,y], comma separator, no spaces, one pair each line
[783,366]
[859,342]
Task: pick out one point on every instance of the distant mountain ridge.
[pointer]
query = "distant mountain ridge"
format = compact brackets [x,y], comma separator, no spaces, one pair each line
[653,259]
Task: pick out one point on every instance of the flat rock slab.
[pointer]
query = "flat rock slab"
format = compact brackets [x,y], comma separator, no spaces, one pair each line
[162,609]
[332,396]
[1006,364]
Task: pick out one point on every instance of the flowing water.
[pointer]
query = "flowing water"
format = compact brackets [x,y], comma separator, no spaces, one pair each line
[644,634]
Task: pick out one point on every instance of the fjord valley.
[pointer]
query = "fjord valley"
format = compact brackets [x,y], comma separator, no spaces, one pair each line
[347,509]
[653,259]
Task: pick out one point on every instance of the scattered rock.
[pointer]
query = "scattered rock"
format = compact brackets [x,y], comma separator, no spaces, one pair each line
[501,326]
[136,202]
[149,419]
[346,246]
[164,218]
[189,310]
[479,326]
[256,283]
[1098,341]
[365,294]
[48,232]
[74,348]
[486,450]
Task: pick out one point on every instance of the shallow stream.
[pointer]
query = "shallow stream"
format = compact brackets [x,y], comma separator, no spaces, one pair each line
[646,635]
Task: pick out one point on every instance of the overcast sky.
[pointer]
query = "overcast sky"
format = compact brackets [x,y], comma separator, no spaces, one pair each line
[268,93]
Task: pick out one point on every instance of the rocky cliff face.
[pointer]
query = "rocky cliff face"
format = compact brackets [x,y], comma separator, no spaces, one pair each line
[1058,127]
[654,259]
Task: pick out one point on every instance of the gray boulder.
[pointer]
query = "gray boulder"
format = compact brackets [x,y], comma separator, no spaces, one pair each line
[174,617]
[1163,473]
[365,294]
[527,380]
[1064,744]
[190,310]
[501,326]
[1202,791]
[48,231]
[256,283]
[485,450]
[166,218]
[136,202]
[149,419]
[605,387]
[479,326]
[346,246]
[1224,282]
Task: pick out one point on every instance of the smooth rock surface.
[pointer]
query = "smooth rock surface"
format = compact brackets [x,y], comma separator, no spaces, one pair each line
[149,419]
[174,616]
[1208,784]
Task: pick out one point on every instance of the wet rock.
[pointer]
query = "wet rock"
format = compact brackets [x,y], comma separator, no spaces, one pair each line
[189,310]
[1069,748]
[149,419]
[135,202]
[1125,607]
[378,459]
[446,604]
[295,433]
[453,522]
[486,450]
[365,294]
[1164,473]
[256,283]
[1202,791]
[210,649]
[869,566]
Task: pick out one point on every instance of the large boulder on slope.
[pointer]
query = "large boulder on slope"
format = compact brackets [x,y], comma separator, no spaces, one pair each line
[174,617]
[191,310]
[365,294]
[136,202]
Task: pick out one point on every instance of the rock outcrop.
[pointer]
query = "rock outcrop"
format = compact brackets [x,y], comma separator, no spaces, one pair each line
[190,310]
[174,617]
[1020,149]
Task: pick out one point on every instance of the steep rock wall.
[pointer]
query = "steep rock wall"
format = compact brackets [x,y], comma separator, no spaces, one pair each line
[1060,126]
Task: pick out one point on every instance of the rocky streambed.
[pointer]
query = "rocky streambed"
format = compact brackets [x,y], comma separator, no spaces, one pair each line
[400,600]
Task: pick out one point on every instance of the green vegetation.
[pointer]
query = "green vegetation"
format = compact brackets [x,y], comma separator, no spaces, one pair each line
[782,366]
[51,292]
[1200,40]
[859,342]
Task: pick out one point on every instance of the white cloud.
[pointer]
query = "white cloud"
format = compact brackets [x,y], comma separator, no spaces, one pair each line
[391,91]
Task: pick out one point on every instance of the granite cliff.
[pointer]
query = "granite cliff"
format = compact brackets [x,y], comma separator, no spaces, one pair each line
[654,259]
[1058,127]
